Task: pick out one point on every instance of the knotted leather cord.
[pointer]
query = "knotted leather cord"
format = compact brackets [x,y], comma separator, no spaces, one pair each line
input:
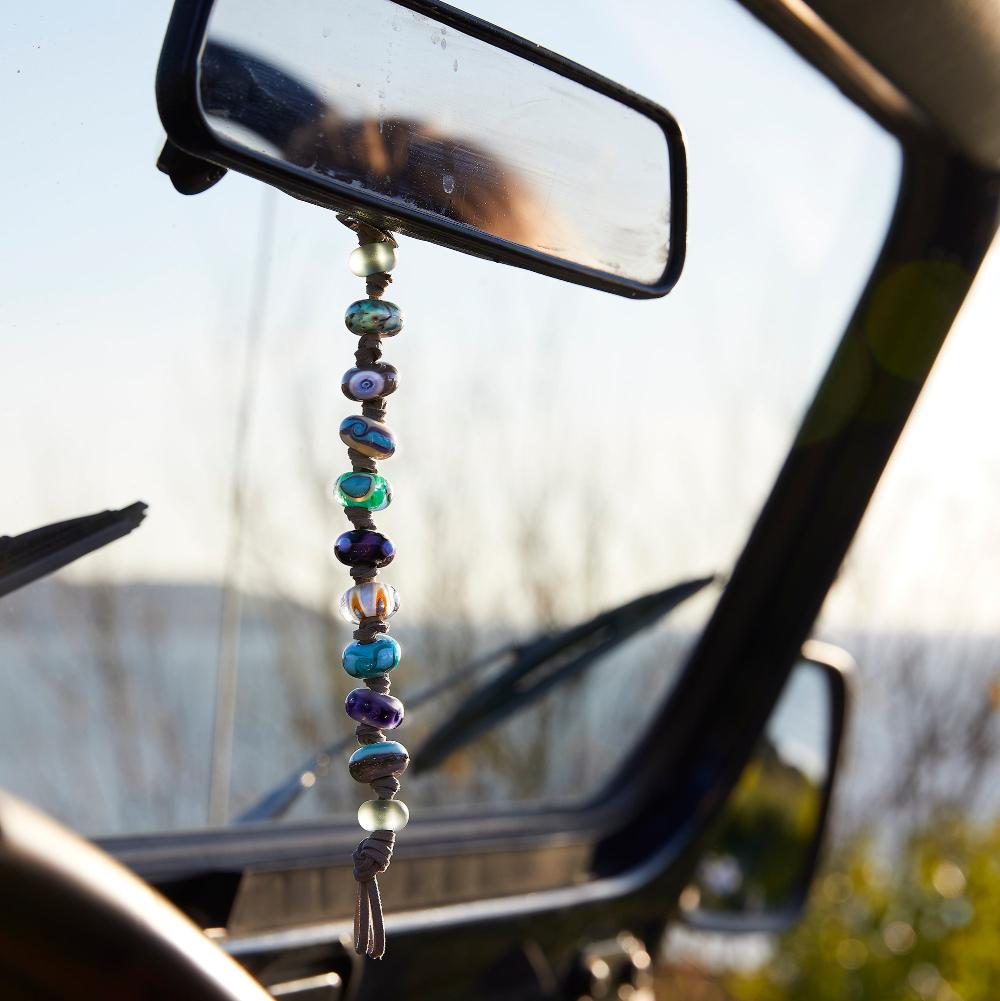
[371,857]
[374,853]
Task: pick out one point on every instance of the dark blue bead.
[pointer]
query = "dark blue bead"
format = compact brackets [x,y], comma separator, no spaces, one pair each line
[362,547]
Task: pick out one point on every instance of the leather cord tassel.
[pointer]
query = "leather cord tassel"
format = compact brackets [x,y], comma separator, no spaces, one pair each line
[371,857]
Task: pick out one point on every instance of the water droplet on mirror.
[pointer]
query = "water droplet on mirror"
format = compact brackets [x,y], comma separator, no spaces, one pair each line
[326,31]
[448,183]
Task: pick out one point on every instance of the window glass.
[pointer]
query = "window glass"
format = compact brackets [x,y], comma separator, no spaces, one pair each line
[562,450]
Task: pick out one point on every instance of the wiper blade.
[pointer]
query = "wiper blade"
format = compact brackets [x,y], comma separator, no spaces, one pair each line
[533,669]
[26,557]
[547,662]
[277,801]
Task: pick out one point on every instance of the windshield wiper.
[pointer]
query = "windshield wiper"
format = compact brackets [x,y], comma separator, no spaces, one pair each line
[534,668]
[280,799]
[547,662]
[26,557]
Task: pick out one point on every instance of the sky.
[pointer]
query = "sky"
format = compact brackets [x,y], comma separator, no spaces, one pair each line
[537,419]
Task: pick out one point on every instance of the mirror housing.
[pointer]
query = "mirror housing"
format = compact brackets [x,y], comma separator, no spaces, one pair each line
[519,156]
[758,860]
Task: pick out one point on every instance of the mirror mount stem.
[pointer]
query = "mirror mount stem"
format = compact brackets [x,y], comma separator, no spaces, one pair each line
[190,175]
[367,232]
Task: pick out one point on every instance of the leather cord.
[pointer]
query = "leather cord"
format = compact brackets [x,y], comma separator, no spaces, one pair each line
[374,853]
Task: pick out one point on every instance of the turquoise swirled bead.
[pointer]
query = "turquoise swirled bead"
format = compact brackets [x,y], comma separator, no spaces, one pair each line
[367,436]
[374,316]
[367,660]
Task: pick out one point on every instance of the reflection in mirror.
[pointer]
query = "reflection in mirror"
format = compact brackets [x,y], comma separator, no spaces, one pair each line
[758,859]
[381,98]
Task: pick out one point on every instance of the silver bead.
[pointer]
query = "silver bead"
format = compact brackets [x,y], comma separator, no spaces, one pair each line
[372,259]
[383,815]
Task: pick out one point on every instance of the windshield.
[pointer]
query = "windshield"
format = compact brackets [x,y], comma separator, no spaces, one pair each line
[563,451]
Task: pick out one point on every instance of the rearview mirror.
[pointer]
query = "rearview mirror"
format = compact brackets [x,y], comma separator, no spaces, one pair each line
[759,858]
[422,119]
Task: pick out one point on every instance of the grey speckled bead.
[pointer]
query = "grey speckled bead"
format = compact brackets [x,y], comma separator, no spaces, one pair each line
[374,316]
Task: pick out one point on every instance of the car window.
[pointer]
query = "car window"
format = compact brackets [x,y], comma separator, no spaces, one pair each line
[562,450]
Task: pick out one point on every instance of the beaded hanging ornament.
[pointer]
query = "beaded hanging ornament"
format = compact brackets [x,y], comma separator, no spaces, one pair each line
[369,604]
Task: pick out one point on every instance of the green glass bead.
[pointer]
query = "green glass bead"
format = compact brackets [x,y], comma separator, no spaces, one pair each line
[374,316]
[383,815]
[367,660]
[359,489]
[372,259]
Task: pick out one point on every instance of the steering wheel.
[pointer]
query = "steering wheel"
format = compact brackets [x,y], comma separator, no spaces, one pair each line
[74,924]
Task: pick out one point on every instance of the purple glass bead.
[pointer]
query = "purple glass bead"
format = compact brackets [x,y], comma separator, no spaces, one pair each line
[364,547]
[382,711]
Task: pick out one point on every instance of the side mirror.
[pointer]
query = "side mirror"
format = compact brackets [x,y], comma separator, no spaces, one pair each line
[416,117]
[760,856]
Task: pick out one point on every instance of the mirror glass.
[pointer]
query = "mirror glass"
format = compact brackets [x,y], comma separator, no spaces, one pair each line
[759,856]
[381,98]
